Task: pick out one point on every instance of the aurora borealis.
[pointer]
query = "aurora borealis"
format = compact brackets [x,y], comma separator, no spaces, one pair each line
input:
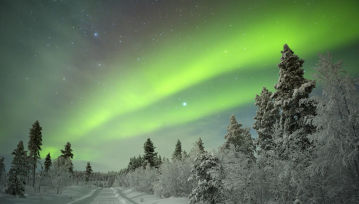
[105,75]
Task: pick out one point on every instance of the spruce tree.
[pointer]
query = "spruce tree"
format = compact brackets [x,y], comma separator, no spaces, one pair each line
[295,124]
[47,162]
[207,174]
[177,154]
[18,171]
[158,161]
[197,149]
[337,139]
[67,154]
[200,145]
[34,147]
[265,119]
[296,109]
[185,155]
[88,171]
[135,162]
[14,184]
[239,137]
[150,153]
[2,171]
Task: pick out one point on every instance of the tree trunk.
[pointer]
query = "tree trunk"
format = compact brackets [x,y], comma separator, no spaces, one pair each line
[33,174]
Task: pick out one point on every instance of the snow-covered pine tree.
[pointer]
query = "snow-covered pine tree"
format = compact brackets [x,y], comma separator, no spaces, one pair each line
[34,146]
[14,185]
[150,154]
[18,171]
[266,117]
[177,154]
[198,148]
[207,174]
[200,145]
[173,179]
[2,172]
[88,171]
[2,166]
[47,162]
[135,162]
[295,124]
[265,173]
[239,175]
[185,155]
[158,161]
[336,160]
[296,109]
[240,138]
[67,154]
[59,173]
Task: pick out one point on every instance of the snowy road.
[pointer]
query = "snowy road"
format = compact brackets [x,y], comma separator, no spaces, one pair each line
[88,195]
[106,196]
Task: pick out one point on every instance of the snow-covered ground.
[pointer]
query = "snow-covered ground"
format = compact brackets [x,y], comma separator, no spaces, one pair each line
[143,198]
[48,196]
[91,195]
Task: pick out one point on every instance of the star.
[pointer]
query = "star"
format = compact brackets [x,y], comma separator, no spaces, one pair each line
[184,103]
[95,34]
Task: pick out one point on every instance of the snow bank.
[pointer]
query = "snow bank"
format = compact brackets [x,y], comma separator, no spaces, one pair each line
[69,194]
[144,198]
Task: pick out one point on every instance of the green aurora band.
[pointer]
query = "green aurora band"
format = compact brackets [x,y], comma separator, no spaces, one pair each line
[174,67]
[192,64]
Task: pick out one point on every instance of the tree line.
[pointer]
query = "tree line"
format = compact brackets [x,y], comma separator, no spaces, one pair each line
[27,169]
[307,149]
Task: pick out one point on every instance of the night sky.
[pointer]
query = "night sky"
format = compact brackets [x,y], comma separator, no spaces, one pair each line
[105,75]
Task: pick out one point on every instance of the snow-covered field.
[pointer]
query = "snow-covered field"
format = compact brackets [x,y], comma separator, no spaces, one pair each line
[143,198]
[91,195]
[48,196]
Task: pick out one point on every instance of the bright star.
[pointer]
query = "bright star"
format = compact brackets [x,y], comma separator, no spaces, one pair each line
[184,104]
[95,34]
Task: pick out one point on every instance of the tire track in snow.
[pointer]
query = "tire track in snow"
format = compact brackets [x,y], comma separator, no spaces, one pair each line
[121,199]
[87,197]
[125,197]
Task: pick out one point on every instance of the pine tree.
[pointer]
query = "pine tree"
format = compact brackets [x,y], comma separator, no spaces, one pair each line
[239,172]
[336,156]
[67,154]
[177,154]
[265,119]
[185,155]
[14,185]
[2,171]
[135,162]
[88,171]
[239,137]
[18,171]
[200,145]
[34,147]
[60,174]
[47,162]
[150,154]
[296,109]
[158,161]
[296,114]
[207,174]
[198,148]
